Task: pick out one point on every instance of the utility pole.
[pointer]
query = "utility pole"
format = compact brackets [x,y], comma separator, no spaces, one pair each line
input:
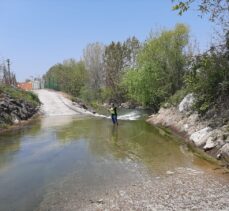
[8,64]
[1,71]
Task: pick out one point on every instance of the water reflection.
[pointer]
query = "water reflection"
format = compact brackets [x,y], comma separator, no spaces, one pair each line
[114,134]
[129,140]
[58,121]
[85,153]
[10,141]
[136,141]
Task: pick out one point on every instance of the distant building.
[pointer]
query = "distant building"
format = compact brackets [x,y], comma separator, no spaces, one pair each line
[32,85]
[38,84]
[27,86]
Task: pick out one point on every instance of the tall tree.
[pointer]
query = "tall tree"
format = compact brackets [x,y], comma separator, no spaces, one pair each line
[69,77]
[131,48]
[93,58]
[113,63]
[118,58]
[160,67]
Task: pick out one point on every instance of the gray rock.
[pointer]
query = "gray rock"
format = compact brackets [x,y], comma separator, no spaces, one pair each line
[200,137]
[187,103]
[12,111]
[224,152]
[210,144]
[186,126]
[126,105]
[220,142]
[16,121]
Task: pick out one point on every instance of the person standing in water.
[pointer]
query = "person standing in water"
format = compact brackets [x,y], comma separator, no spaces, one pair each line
[114,115]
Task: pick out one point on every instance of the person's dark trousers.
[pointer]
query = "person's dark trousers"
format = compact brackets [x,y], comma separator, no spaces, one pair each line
[114,118]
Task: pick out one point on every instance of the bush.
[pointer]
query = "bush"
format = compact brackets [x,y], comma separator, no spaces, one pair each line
[175,99]
[19,94]
[106,94]
[209,78]
[160,68]
[87,94]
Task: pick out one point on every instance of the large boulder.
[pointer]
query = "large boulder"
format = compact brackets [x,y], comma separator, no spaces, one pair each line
[200,137]
[187,103]
[210,144]
[224,152]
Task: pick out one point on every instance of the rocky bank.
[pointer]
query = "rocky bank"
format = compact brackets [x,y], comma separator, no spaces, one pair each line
[197,131]
[13,111]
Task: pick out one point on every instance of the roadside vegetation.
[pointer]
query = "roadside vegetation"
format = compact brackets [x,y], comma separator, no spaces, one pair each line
[141,73]
[16,105]
[18,94]
[8,87]
[160,70]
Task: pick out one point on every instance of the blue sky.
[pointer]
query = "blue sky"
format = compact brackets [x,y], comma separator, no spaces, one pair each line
[36,34]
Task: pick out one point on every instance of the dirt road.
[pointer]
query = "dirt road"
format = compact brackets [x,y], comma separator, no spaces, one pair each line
[56,104]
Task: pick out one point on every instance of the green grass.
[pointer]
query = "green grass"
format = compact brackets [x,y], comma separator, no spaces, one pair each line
[19,94]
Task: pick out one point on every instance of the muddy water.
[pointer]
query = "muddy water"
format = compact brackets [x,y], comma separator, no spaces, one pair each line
[78,163]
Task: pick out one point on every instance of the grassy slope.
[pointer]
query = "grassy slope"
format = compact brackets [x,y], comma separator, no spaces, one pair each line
[19,94]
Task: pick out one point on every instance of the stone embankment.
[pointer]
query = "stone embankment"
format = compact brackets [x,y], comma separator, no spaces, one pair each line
[214,141]
[13,111]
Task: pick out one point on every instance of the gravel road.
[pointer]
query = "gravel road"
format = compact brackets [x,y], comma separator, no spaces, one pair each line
[56,104]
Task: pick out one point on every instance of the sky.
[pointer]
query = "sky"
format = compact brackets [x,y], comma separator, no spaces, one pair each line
[36,34]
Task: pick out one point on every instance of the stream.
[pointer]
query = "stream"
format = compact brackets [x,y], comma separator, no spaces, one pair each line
[86,163]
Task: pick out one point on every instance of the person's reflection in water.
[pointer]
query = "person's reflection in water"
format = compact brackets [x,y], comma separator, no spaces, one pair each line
[114,134]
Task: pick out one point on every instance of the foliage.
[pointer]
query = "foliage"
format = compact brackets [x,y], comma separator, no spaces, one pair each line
[88,94]
[69,77]
[218,11]
[209,77]
[106,94]
[175,99]
[160,68]
[19,94]
[151,73]
[131,49]
[114,63]
[118,58]
[93,59]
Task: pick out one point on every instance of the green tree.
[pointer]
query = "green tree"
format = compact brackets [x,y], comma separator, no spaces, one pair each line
[68,77]
[93,58]
[118,58]
[113,64]
[131,48]
[160,67]
[208,78]
[208,74]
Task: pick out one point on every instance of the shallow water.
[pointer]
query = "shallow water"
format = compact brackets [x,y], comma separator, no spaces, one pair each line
[84,163]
